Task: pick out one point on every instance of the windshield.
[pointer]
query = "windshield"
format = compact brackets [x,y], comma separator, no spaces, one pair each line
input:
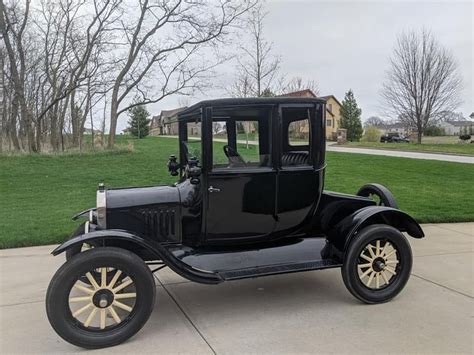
[191,141]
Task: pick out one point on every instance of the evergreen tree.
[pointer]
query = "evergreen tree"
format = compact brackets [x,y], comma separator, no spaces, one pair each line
[139,124]
[350,117]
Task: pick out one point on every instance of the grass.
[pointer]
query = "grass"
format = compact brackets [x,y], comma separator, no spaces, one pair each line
[433,147]
[39,194]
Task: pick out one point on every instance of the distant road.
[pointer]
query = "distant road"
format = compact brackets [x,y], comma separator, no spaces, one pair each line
[389,153]
[402,154]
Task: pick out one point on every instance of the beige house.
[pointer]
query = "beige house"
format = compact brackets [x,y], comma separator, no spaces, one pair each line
[166,123]
[333,111]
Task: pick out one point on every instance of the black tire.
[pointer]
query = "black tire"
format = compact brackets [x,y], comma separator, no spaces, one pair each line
[350,267]
[57,298]
[384,195]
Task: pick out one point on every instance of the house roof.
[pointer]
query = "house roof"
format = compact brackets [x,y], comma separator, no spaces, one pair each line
[461,123]
[171,113]
[471,115]
[391,125]
[300,93]
[325,98]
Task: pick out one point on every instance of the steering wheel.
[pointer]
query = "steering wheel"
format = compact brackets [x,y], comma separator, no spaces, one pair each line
[233,156]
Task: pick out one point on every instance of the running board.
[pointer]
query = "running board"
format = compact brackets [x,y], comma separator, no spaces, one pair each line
[277,269]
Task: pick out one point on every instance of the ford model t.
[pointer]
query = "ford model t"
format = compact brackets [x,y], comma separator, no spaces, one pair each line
[249,202]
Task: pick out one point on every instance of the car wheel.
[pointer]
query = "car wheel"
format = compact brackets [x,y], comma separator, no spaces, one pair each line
[104,312]
[377,264]
[379,193]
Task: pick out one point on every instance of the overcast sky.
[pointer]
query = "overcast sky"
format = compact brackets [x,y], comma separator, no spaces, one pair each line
[346,44]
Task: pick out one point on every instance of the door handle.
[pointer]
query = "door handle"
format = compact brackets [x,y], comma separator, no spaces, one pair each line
[213,189]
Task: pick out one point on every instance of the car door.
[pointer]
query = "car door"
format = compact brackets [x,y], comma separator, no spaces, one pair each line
[298,181]
[241,182]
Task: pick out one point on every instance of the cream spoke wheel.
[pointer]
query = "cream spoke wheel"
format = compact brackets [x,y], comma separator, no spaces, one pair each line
[378,262]
[102,297]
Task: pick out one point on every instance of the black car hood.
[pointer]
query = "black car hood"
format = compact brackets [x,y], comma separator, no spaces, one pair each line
[141,196]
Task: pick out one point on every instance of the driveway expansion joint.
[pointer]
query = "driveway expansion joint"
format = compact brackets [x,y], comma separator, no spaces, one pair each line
[442,286]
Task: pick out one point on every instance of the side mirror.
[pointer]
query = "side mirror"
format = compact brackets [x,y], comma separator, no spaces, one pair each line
[193,171]
[173,165]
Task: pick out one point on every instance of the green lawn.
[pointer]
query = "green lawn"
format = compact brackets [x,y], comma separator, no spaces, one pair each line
[449,148]
[39,194]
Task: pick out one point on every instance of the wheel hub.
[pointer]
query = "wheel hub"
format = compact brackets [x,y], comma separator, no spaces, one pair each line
[378,264]
[103,298]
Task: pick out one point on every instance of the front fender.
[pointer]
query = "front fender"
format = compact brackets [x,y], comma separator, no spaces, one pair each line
[343,232]
[102,236]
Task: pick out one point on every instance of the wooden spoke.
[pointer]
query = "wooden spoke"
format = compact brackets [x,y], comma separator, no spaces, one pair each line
[365,257]
[82,310]
[102,318]
[115,278]
[371,277]
[384,248]
[114,314]
[369,247]
[363,266]
[377,280]
[384,278]
[390,254]
[120,296]
[390,270]
[92,281]
[122,285]
[368,271]
[377,248]
[80,299]
[84,289]
[390,262]
[103,277]
[90,318]
[122,306]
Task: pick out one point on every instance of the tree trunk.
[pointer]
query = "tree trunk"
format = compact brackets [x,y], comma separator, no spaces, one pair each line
[113,117]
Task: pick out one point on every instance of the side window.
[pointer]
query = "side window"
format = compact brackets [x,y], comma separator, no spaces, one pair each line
[241,138]
[296,137]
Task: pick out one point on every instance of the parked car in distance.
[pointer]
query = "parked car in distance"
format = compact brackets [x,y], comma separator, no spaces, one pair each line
[394,138]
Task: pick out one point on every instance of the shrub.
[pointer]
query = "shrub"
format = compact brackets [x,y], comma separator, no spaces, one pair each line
[371,134]
[464,137]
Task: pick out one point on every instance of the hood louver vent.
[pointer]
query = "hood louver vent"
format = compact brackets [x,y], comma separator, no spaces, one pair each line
[161,224]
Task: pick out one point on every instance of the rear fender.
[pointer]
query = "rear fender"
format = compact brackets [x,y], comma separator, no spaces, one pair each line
[129,239]
[347,229]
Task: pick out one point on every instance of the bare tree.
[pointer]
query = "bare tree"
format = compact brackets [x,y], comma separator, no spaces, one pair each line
[299,84]
[258,66]
[422,81]
[167,40]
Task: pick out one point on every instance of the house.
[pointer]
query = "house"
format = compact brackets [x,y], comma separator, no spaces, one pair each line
[394,127]
[456,128]
[166,123]
[333,111]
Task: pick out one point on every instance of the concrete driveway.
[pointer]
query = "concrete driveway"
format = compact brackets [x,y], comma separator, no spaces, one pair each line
[298,313]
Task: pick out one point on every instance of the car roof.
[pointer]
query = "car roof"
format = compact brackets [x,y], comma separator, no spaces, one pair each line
[250,101]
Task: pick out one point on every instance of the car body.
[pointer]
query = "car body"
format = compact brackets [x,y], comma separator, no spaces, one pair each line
[249,202]
[394,138]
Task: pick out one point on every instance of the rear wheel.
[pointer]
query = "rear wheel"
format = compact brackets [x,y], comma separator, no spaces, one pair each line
[105,310]
[377,265]
[379,193]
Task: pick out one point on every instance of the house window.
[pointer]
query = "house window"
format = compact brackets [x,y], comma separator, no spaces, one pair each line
[330,107]
[329,122]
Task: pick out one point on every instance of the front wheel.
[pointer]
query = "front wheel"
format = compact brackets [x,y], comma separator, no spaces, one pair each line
[377,264]
[102,311]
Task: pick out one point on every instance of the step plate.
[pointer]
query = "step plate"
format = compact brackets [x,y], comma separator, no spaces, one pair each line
[278,269]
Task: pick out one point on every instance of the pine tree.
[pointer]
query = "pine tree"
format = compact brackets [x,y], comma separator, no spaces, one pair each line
[350,117]
[139,124]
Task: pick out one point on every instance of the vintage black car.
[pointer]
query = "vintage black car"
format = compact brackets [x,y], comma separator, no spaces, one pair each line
[394,138]
[249,202]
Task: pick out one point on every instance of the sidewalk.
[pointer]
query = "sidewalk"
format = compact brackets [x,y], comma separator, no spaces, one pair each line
[297,313]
